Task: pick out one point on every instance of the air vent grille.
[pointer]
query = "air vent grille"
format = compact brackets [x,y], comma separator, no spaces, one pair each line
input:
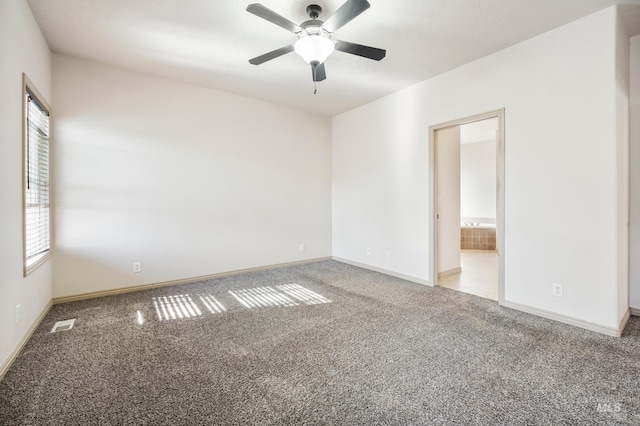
[63,325]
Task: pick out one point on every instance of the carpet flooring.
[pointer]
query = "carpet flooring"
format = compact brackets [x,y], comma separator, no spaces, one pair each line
[323,343]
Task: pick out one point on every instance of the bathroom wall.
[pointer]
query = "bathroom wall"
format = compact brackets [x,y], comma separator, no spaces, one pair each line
[478,180]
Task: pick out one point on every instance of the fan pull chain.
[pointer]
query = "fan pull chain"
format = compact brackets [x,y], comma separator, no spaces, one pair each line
[314,70]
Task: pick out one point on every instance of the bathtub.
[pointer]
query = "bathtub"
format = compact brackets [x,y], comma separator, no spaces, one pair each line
[476,225]
[477,236]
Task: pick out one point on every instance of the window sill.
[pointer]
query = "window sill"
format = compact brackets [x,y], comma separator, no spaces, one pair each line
[35,262]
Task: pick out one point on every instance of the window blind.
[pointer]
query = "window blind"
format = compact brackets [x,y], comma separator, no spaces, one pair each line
[36,182]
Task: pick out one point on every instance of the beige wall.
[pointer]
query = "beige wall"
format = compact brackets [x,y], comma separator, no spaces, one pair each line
[22,49]
[187,180]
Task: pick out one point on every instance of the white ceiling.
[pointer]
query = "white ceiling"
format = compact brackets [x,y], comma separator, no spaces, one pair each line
[209,42]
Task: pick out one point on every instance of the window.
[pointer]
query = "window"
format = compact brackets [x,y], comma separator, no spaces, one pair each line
[37,229]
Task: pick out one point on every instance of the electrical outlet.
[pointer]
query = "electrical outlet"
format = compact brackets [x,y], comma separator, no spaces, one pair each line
[368,251]
[137,267]
[17,313]
[557,290]
[301,246]
[387,255]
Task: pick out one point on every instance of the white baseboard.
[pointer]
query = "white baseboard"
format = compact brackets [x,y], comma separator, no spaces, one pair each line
[93,295]
[623,322]
[16,351]
[609,331]
[450,272]
[635,312]
[384,271]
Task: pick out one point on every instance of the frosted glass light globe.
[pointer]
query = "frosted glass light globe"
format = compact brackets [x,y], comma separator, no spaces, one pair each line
[314,48]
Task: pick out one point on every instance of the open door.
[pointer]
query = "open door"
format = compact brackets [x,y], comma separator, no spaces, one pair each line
[450,257]
[448,200]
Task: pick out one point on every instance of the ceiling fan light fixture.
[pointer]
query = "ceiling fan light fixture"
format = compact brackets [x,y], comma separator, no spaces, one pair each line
[314,48]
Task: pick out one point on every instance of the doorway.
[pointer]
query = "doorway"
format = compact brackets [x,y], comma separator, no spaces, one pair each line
[468,204]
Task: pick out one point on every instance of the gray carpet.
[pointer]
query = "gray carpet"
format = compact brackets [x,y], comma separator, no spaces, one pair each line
[344,346]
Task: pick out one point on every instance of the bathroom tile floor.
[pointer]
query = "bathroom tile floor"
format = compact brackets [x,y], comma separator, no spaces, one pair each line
[479,274]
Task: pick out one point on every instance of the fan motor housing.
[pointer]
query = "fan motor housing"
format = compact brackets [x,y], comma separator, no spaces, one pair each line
[313,10]
[312,26]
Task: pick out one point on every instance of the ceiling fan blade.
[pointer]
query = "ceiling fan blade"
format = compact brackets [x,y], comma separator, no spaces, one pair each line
[271,16]
[318,73]
[361,50]
[271,55]
[349,10]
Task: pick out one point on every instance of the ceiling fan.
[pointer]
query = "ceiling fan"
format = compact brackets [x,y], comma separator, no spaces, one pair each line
[315,42]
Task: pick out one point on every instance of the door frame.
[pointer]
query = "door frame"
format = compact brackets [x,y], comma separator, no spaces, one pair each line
[500,193]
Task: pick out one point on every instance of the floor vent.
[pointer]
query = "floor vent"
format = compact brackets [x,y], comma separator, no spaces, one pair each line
[63,325]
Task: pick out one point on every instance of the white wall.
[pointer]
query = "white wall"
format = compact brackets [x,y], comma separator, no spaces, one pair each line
[189,181]
[22,49]
[559,95]
[478,179]
[634,119]
[448,166]
[622,65]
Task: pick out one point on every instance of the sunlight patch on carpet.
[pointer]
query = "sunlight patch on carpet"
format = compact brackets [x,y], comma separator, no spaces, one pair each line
[212,304]
[183,306]
[176,307]
[281,295]
[303,294]
[261,297]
